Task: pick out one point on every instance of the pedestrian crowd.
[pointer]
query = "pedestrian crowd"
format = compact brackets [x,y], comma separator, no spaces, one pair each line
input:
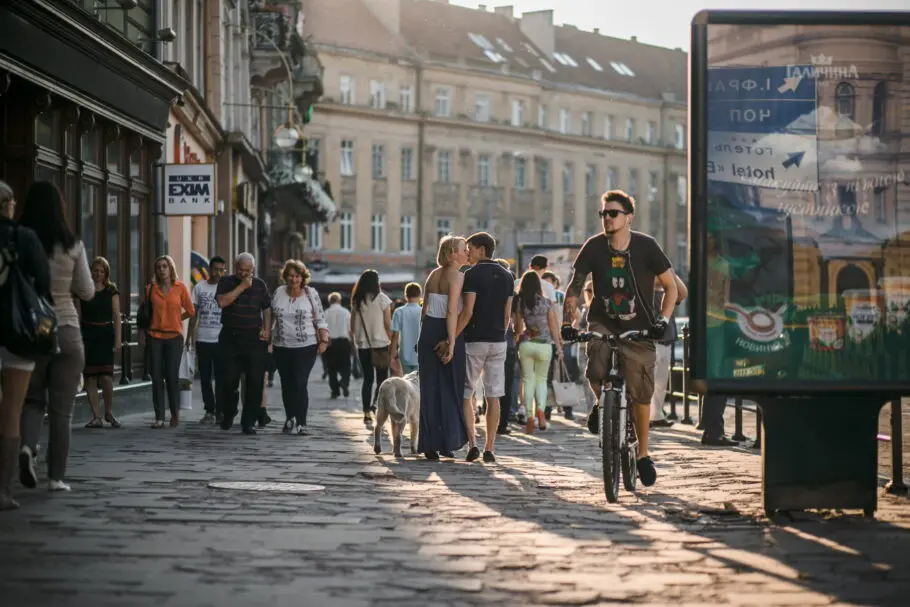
[476,339]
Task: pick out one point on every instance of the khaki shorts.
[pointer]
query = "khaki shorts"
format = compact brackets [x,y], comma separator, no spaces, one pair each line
[636,359]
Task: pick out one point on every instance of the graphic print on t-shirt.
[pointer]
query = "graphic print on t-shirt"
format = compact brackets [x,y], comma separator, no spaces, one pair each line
[621,301]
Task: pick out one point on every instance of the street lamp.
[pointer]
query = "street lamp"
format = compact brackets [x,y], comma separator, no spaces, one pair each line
[286,137]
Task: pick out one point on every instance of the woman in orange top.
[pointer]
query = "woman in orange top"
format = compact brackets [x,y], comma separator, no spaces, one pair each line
[171,305]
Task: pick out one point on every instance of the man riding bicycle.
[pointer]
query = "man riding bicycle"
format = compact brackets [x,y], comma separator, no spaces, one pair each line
[623,265]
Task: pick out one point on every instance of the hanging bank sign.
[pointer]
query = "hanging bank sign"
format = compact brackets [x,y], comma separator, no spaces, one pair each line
[189,189]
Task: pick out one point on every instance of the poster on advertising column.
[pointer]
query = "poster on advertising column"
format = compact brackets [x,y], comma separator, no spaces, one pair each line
[805,200]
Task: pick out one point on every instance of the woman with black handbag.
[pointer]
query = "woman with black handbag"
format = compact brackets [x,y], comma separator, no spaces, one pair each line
[371,323]
[55,380]
[21,257]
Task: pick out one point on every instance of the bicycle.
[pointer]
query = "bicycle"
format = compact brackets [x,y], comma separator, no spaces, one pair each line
[617,438]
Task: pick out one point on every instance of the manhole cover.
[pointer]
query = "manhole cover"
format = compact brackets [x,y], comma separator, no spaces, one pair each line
[268,487]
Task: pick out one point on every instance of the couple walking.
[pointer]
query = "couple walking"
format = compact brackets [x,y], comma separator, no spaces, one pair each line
[462,337]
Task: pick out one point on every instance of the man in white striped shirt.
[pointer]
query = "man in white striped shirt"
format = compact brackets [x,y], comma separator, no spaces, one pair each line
[338,354]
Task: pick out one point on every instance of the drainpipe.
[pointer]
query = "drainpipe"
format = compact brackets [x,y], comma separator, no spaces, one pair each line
[421,124]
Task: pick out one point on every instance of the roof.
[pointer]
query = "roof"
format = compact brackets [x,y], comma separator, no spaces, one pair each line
[349,24]
[656,70]
[482,39]
[450,32]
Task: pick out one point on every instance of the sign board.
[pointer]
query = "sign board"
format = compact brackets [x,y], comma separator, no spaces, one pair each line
[189,189]
[762,127]
[800,204]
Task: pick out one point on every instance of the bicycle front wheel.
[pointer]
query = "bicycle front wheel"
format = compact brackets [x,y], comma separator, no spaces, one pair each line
[610,431]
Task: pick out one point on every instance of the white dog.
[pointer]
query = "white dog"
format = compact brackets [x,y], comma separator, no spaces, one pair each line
[398,400]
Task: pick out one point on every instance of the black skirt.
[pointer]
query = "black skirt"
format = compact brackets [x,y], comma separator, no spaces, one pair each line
[99,349]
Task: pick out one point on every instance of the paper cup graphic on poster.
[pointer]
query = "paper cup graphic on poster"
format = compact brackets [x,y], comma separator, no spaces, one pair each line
[863,313]
[826,332]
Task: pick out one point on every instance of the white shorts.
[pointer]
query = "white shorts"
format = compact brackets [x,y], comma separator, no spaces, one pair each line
[8,360]
[489,360]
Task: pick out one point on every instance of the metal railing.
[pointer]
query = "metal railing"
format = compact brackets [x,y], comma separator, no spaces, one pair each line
[681,393]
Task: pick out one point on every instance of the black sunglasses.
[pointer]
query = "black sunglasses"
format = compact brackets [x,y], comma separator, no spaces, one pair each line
[613,213]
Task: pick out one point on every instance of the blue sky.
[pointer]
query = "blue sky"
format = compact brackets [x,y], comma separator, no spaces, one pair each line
[665,22]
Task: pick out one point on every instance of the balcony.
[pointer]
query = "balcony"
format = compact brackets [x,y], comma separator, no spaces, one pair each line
[523,205]
[445,198]
[484,201]
[278,53]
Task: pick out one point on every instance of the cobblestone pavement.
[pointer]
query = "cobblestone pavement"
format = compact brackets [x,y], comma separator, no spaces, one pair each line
[143,526]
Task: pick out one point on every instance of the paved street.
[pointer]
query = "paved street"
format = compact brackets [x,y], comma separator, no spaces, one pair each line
[143,526]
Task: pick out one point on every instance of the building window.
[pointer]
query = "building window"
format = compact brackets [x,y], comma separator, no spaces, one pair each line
[586,124]
[518,112]
[444,167]
[483,171]
[482,108]
[879,105]
[313,154]
[377,233]
[590,180]
[630,129]
[567,235]
[407,164]
[682,190]
[653,186]
[680,137]
[543,175]
[880,202]
[520,173]
[612,178]
[843,100]
[565,121]
[347,90]
[377,94]
[608,127]
[443,228]
[567,178]
[651,133]
[633,183]
[346,226]
[407,234]
[378,161]
[542,118]
[347,158]
[406,99]
[443,102]
[314,236]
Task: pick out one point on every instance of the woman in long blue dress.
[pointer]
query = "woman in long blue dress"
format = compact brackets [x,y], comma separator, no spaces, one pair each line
[442,377]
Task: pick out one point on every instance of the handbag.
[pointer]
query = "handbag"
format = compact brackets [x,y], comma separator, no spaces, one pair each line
[380,357]
[567,393]
[28,325]
[144,314]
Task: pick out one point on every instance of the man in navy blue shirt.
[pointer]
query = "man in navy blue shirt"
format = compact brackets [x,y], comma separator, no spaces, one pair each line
[488,290]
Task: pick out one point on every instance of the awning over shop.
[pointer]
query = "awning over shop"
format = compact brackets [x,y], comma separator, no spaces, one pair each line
[306,201]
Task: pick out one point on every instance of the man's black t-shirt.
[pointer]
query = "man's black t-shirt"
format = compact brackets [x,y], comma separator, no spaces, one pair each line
[623,281]
[493,286]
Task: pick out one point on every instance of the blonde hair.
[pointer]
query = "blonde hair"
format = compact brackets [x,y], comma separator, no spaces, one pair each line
[298,266]
[447,246]
[171,265]
[334,297]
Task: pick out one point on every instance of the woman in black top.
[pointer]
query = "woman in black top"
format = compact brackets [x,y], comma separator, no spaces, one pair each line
[101,335]
[20,242]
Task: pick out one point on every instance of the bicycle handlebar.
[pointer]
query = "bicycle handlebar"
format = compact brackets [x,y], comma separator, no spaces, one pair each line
[631,335]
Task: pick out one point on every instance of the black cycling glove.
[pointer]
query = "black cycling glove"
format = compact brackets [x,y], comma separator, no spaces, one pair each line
[569,333]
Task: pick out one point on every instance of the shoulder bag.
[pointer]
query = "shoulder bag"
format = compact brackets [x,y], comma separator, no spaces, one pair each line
[144,314]
[380,357]
[28,325]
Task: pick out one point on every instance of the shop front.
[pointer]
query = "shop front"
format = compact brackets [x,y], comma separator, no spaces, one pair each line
[82,107]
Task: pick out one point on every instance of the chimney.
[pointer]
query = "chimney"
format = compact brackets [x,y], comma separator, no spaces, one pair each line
[482,7]
[634,38]
[388,12]
[505,11]
[538,27]
[596,30]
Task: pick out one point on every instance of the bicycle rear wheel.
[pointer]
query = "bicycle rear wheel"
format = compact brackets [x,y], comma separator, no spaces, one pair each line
[610,444]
